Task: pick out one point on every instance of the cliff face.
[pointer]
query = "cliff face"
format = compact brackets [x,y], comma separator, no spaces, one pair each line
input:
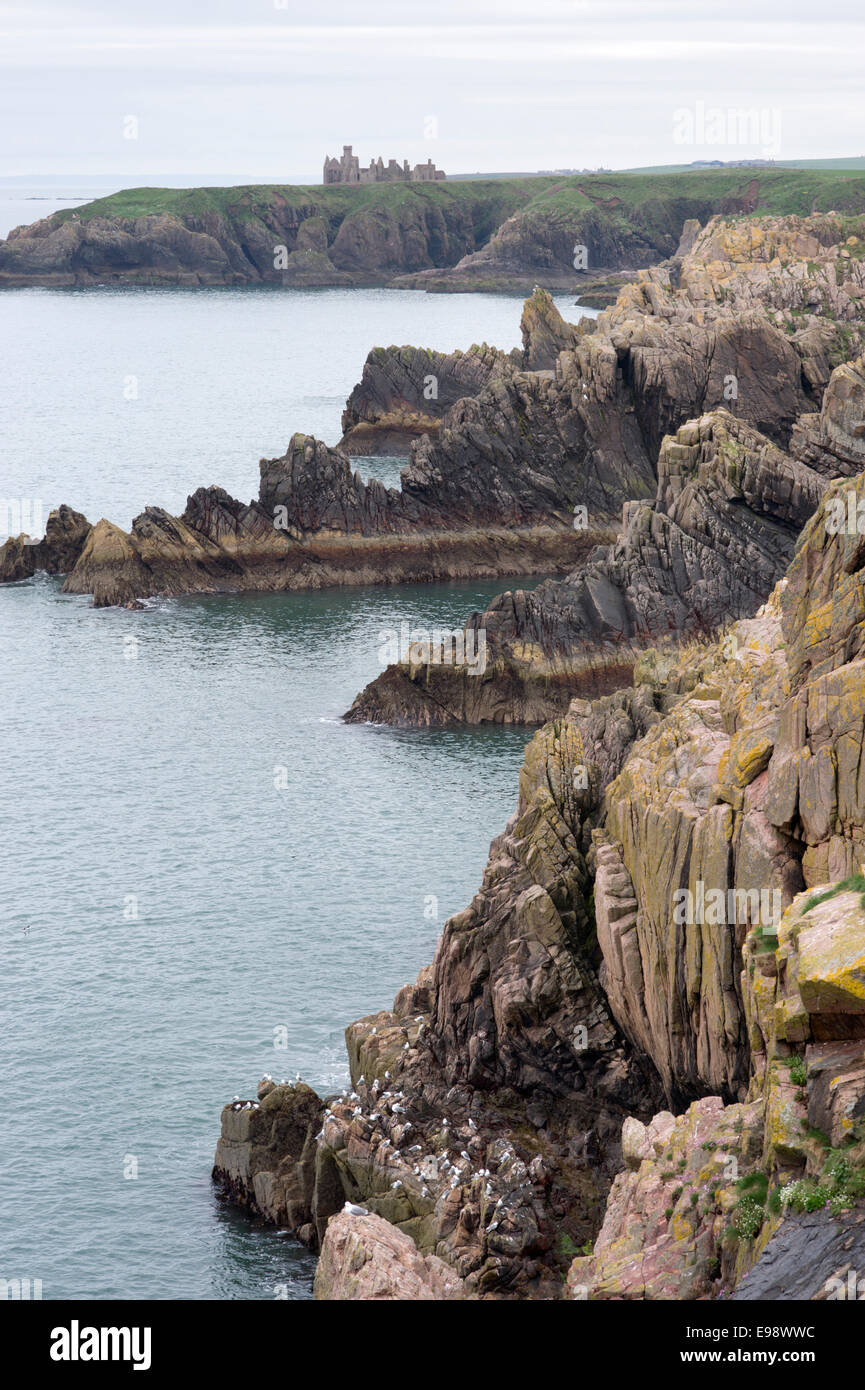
[725,325]
[618,1042]
[503,234]
[728,509]
[636,1065]
[243,236]
[406,392]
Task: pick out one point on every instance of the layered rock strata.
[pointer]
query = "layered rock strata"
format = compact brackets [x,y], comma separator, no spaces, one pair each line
[751,317]
[502,504]
[646,1034]
[728,509]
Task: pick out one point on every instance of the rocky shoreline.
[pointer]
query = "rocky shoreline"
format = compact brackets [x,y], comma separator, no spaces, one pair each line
[529,461]
[583,1097]
[635,1068]
[499,235]
[719,367]
[463,511]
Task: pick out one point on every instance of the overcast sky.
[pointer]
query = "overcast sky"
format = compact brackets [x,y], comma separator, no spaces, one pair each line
[262,89]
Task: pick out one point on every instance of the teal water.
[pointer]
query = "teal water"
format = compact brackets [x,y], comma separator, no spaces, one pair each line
[199,860]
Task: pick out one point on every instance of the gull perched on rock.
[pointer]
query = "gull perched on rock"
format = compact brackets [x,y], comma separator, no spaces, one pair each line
[355,1210]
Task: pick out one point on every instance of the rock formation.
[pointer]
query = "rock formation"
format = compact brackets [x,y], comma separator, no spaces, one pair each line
[265,1158]
[639,1055]
[367,1259]
[638,1058]
[707,329]
[530,470]
[66,533]
[494,496]
[406,392]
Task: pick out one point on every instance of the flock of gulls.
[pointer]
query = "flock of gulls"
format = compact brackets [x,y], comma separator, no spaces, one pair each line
[380,1109]
[238,1104]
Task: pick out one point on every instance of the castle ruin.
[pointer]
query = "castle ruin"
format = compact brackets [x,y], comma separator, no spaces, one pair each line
[348,170]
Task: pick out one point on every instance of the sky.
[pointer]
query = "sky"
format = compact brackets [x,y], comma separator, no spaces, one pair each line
[210,91]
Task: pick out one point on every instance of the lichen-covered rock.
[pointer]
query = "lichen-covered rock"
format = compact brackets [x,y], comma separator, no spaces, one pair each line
[831,945]
[366,1258]
[265,1157]
[668,1212]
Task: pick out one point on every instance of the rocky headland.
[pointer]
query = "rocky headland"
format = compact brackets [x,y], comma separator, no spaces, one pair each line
[493,494]
[497,234]
[727,369]
[635,1069]
[624,1076]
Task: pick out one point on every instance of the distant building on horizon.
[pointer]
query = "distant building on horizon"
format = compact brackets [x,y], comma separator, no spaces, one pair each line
[348,170]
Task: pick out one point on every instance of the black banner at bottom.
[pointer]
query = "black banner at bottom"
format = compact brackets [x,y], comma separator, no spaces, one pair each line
[77,1338]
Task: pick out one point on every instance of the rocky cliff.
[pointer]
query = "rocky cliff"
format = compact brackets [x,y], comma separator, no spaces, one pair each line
[743,327]
[527,460]
[637,1062]
[504,234]
[406,392]
[636,1066]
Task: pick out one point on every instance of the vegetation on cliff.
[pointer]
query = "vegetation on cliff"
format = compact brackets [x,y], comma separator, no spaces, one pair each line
[462,234]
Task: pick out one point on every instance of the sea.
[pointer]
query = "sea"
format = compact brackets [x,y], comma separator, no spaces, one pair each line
[204,873]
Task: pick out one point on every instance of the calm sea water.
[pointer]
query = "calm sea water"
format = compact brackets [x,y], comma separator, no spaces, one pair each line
[199,859]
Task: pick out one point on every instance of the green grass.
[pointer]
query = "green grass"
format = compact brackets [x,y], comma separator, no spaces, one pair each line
[854,884]
[334,201]
[655,203]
